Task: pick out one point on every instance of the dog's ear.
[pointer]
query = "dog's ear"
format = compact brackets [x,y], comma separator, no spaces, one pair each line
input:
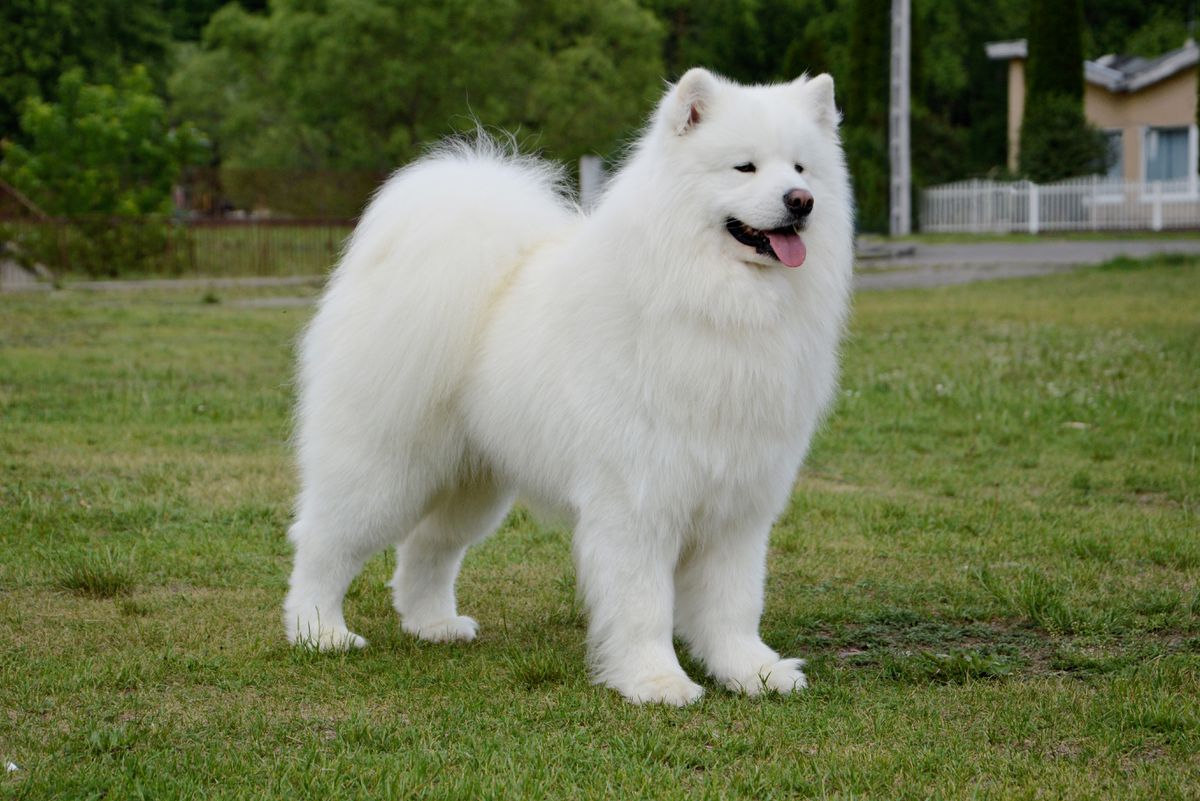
[818,93]
[689,100]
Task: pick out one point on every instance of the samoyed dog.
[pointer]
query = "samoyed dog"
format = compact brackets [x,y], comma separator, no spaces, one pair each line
[653,371]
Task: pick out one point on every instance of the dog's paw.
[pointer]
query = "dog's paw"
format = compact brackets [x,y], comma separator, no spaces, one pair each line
[783,676]
[455,629]
[672,689]
[325,638]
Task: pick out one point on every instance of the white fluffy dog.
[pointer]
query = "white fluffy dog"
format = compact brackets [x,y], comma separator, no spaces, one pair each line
[653,370]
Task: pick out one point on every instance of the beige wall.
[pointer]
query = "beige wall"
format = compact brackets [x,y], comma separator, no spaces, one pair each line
[1167,103]
[1171,102]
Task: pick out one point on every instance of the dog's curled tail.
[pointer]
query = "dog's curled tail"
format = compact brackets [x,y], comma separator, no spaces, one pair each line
[474,201]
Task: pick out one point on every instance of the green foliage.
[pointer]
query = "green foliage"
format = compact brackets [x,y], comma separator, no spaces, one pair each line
[866,93]
[821,45]
[725,35]
[364,84]
[959,125]
[1135,27]
[44,38]
[102,157]
[1055,49]
[188,17]
[101,149]
[1058,142]
[1163,32]
[867,157]
[865,100]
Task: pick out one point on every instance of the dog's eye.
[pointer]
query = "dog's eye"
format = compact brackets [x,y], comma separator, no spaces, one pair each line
[799,168]
[747,167]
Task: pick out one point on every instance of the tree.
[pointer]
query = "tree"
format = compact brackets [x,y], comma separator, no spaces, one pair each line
[188,17]
[1055,48]
[45,38]
[102,157]
[1056,140]
[866,106]
[722,35]
[959,124]
[1161,33]
[1135,27]
[365,84]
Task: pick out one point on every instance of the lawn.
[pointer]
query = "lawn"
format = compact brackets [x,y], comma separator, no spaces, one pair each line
[991,562]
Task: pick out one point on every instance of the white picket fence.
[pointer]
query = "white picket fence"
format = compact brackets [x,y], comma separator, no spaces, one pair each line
[1080,204]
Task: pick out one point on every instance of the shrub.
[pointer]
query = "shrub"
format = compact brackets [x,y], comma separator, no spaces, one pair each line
[1057,142]
[102,160]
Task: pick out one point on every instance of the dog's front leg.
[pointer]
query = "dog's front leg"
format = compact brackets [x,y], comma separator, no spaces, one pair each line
[626,581]
[719,602]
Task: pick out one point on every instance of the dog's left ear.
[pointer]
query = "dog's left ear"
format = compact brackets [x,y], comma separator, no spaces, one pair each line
[689,100]
[818,92]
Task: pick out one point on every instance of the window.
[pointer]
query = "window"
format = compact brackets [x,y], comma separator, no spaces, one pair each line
[1116,155]
[1166,155]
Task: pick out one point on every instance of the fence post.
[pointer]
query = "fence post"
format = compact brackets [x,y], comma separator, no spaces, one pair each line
[1033,208]
[989,207]
[591,180]
[1156,221]
[976,210]
[1095,202]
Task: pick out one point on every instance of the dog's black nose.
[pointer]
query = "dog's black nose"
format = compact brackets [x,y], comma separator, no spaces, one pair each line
[799,202]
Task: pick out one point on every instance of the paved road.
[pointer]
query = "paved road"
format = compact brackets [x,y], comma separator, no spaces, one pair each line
[880,266]
[895,266]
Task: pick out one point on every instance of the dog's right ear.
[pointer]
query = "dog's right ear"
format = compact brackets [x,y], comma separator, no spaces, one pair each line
[690,99]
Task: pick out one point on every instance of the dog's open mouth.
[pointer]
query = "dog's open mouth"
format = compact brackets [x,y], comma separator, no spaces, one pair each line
[783,244]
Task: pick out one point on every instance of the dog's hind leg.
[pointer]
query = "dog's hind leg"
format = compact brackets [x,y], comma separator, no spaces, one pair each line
[338,527]
[428,560]
[312,612]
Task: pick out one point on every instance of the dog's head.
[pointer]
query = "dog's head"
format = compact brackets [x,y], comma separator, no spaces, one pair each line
[762,163]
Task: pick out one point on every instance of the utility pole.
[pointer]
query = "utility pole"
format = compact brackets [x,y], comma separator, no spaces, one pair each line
[899,154]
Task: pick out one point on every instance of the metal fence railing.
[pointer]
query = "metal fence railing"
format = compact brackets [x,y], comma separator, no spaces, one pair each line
[163,245]
[1079,204]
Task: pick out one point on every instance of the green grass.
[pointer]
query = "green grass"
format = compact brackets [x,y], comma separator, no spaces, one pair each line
[95,574]
[991,563]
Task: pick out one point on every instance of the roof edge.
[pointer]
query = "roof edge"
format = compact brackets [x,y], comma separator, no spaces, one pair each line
[1008,50]
[1100,74]
[1170,64]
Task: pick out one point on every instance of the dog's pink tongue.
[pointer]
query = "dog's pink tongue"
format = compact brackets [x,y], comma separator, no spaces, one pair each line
[788,247]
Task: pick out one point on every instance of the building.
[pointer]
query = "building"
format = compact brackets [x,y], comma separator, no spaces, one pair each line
[1147,107]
